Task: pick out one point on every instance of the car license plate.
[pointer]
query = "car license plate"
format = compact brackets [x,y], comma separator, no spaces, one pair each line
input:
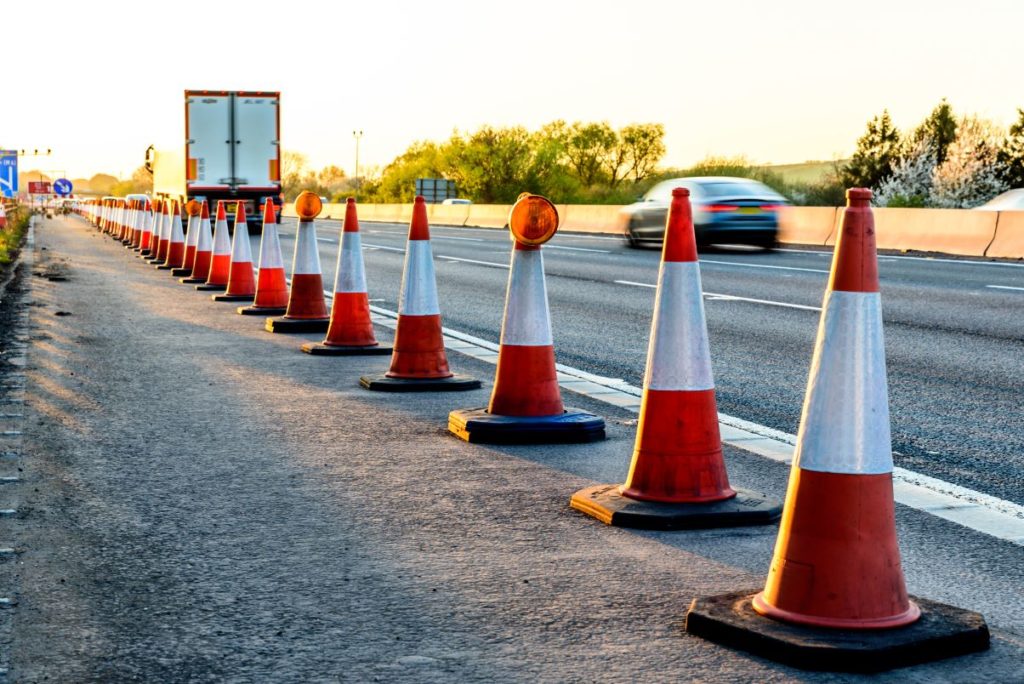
[749,210]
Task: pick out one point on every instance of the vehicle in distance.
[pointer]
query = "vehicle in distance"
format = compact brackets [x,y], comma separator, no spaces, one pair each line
[1011,200]
[456,200]
[231,151]
[726,211]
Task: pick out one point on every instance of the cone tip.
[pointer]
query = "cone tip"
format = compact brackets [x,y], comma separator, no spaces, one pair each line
[680,192]
[419,199]
[221,216]
[269,215]
[350,201]
[205,210]
[680,240]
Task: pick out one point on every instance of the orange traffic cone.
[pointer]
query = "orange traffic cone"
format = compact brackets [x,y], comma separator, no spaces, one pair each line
[191,236]
[131,239]
[152,235]
[140,225]
[835,597]
[241,283]
[271,285]
[176,242]
[164,241]
[677,478]
[419,362]
[526,402]
[307,308]
[204,249]
[128,211]
[220,257]
[351,330]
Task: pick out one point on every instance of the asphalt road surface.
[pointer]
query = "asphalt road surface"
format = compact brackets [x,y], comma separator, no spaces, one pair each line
[954,332]
[199,501]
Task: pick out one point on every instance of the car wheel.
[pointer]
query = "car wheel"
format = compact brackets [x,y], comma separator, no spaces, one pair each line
[631,238]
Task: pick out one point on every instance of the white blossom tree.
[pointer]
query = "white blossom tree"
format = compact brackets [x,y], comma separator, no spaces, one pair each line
[970,174]
[910,184]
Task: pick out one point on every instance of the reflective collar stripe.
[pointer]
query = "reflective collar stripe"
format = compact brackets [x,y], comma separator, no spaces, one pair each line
[221,241]
[678,357]
[527,321]
[241,250]
[270,247]
[350,275]
[845,423]
[307,258]
[419,289]
[204,241]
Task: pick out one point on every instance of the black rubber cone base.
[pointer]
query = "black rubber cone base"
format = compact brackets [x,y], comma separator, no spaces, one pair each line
[164,267]
[207,287]
[191,281]
[232,298]
[479,426]
[456,383]
[297,325]
[605,503]
[943,631]
[261,310]
[319,349]
[181,272]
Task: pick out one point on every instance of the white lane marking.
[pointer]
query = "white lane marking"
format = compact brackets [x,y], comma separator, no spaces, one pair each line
[967,262]
[578,249]
[780,268]
[451,237]
[333,242]
[473,261]
[385,247]
[1005,287]
[725,297]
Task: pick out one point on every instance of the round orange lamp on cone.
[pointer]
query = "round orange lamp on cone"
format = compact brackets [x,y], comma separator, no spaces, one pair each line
[220,255]
[418,360]
[350,332]
[835,597]
[271,285]
[307,306]
[677,478]
[204,249]
[241,282]
[526,402]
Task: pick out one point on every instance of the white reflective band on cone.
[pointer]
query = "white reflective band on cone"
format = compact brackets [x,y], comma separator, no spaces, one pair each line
[307,257]
[527,320]
[350,276]
[678,357]
[191,235]
[419,291]
[221,241]
[241,250]
[270,248]
[177,234]
[845,422]
[203,240]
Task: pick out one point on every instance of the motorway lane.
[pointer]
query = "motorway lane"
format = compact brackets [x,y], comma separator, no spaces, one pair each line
[954,347]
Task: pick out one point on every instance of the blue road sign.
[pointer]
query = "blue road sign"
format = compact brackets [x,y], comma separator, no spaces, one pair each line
[62,186]
[9,173]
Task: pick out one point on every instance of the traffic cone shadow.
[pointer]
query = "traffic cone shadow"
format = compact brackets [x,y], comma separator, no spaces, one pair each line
[835,597]
[351,331]
[418,359]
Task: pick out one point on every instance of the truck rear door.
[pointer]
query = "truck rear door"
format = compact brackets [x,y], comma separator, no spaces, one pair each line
[257,148]
[208,140]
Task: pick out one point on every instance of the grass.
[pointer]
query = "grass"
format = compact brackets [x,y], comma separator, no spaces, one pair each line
[12,236]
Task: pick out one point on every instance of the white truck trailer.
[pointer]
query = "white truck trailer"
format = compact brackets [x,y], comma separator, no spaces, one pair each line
[232,151]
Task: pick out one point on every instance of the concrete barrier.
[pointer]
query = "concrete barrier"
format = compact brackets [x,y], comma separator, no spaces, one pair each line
[488,215]
[448,214]
[806,225]
[951,231]
[591,218]
[1009,240]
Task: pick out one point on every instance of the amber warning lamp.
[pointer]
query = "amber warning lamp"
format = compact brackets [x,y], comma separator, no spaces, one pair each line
[533,219]
[193,208]
[308,205]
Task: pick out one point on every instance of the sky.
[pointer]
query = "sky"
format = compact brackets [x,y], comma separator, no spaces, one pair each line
[777,82]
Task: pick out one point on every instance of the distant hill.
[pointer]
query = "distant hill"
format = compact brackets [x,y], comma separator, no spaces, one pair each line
[807,172]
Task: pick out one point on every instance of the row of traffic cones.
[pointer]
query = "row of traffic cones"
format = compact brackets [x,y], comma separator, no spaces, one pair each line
[835,596]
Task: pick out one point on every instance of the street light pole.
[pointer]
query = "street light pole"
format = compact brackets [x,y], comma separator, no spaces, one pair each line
[357,135]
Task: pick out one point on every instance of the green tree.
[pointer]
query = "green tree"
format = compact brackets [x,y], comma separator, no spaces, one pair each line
[877,150]
[939,127]
[643,146]
[591,150]
[1011,154]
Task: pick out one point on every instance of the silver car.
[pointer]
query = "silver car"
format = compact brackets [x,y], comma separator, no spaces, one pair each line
[726,210]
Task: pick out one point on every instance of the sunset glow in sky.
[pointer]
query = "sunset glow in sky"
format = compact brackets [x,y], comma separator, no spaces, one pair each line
[778,82]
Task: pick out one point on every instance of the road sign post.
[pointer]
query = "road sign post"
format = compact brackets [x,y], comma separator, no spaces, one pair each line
[9,173]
